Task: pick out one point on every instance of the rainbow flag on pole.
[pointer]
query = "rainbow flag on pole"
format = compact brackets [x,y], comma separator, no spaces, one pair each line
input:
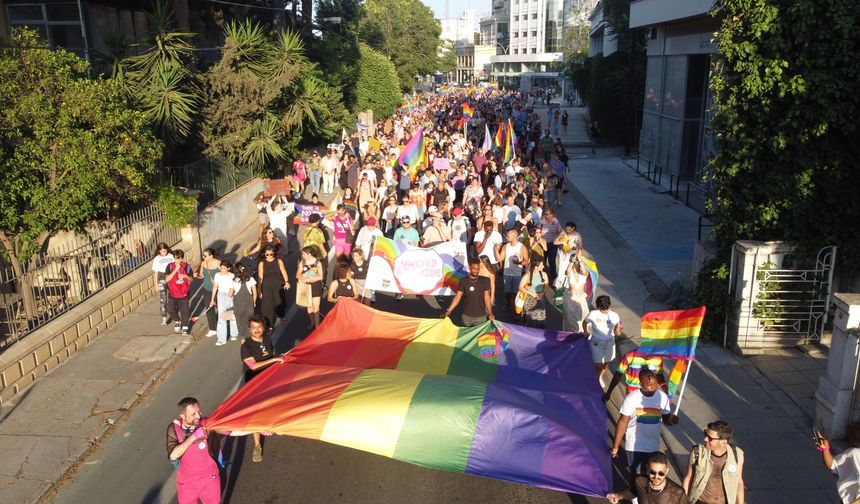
[675,377]
[510,145]
[495,400]
[673,333]
[468,111]
[500,136]
[414,153]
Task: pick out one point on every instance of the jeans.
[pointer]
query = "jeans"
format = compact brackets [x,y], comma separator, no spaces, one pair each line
[315,181]
[225,303]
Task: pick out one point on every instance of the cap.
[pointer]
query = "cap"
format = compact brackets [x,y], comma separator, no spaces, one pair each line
[457,211]
[432,209]
[371,221]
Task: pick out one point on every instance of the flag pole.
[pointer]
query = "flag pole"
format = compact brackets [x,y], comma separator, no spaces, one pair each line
[683,386]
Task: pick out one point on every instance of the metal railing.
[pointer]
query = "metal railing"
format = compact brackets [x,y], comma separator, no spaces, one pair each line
[212,177]
[74,267]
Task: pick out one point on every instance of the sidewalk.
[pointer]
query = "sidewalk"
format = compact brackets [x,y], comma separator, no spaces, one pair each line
[46,430]
[768,399]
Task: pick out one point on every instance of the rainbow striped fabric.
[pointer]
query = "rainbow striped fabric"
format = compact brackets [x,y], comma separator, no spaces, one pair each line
[591,281]
[496,400]
[414,153]
[649,416]
[675,377]
[633,362]
[468,111]
[673,333]
[500,136]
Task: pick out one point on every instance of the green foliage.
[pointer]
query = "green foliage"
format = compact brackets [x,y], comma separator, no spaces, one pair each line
[179,209]
[786,107]
[336,50]
[71,145]
[406,32]
[263,97]
[378,87]
[767,307]
[162,79]
[712,291]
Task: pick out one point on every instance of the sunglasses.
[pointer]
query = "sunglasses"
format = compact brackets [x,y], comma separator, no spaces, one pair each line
[652,472]
[709,438]
[269,255]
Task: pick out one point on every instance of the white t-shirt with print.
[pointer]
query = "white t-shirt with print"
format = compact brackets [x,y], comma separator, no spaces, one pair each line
[602,324]
[646,416]
[160,262]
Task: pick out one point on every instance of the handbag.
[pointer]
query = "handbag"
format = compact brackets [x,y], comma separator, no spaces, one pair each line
[520,302]
[558,297]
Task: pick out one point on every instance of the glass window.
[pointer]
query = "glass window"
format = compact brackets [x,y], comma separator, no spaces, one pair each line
[534,50]
[516,18]
[25,13]
[62,12]
[653,74]
[674,85]
[534,33]
[516,35]
[534,15]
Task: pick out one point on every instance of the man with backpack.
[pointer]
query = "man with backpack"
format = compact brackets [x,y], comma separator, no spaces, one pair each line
[196,454]
[178,276]
[715,471]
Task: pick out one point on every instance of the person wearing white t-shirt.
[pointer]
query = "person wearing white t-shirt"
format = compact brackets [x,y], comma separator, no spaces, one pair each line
[163,258]
[487,241]
[605,325]
[846,465]
[459,226]
[639,424]
[510,213]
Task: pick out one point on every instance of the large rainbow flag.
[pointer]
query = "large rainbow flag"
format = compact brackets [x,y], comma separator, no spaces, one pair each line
[397,267]
[672,333]
[496,400]
[591,281]
[414,153]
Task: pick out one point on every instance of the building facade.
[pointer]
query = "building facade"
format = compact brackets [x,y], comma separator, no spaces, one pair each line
[535,39]
[676,134]
[458,29]
[473,62]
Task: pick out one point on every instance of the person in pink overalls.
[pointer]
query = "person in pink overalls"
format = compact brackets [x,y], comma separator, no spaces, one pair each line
[195,451]
[343,229]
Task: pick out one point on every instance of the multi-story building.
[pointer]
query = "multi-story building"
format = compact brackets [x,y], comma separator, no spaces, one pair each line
[458,29]
[676,134]
[534,50]
[473,62]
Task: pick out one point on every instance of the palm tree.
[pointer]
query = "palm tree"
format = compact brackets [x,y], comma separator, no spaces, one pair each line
[162,79]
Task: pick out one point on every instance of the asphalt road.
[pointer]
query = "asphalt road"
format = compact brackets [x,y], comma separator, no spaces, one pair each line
[131,465]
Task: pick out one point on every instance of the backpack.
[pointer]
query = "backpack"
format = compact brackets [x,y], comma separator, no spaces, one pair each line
[178,287]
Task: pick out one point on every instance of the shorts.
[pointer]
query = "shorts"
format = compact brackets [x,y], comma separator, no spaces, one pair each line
[559,183]
[263,218]
[512,283]
[602,351]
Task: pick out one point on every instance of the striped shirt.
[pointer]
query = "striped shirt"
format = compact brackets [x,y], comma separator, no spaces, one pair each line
[632,363]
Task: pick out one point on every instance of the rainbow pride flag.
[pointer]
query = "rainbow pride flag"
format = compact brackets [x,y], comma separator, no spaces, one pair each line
[675,377]
[591,281]
[495,400]
[673,333]
[414,153]
[468,111]
[500,135]
[397,267]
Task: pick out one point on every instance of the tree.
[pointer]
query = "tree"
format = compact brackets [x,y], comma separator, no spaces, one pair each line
[336,50]
[378,87]
[406,32]
[263,97]
[71,146]
[786,108]
[162,79]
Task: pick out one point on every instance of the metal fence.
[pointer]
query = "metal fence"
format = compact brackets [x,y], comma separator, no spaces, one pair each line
[212,177]
[74,267]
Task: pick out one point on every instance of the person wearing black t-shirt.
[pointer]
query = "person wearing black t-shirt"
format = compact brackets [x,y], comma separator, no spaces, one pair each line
[258,353]
[474,290]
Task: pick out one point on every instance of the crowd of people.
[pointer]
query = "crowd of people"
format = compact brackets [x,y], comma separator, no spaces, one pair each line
[501,201]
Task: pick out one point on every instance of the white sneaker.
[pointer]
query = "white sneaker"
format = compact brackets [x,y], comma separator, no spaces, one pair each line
[220,343]
[234,338]
[177,327]
[211,333]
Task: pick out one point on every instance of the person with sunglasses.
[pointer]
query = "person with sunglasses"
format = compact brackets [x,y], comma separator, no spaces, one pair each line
[715,471]
[654,487]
